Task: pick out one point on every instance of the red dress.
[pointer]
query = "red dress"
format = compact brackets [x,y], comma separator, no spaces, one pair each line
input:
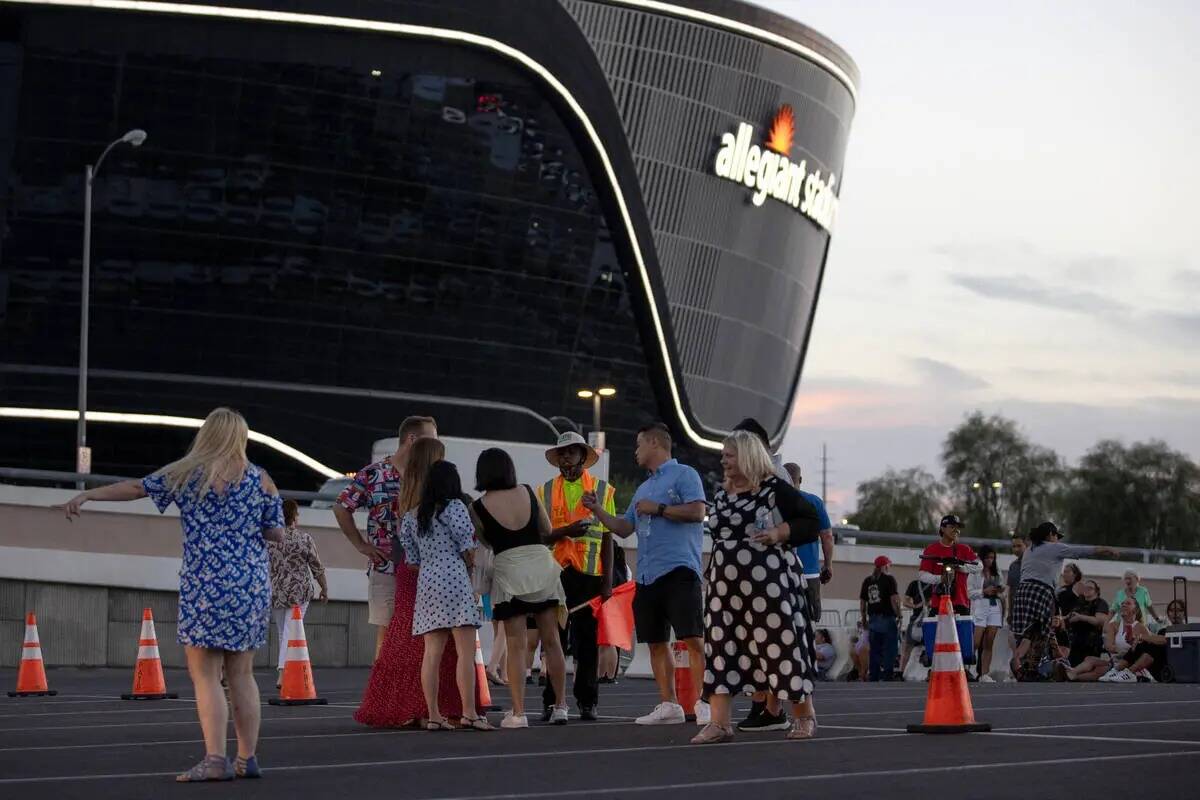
[393,697]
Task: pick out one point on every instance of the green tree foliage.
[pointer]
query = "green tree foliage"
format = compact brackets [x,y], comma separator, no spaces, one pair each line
[908,501]
[998,480]
[1143,495]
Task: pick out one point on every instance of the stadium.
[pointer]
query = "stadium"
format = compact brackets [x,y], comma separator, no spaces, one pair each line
[468,209]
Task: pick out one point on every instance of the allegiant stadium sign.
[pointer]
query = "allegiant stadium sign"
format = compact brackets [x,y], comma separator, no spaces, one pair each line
[770,172]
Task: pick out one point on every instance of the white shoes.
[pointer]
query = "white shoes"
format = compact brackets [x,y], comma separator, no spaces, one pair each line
[664,714]
[512,720]
[559,715]
[703,713]
[1118,676]
[987,679]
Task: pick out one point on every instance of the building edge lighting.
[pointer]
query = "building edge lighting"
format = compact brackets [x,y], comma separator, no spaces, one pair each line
[166,421]
[449,35]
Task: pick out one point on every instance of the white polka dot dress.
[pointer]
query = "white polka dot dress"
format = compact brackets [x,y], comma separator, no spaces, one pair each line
[445,598]
[757,637]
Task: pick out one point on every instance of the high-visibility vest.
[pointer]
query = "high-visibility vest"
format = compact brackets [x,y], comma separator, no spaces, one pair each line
[583,553]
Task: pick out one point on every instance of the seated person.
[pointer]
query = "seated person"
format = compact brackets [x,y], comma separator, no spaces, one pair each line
[860,654]
[1176,613]
[826,654]
[1085,623]
[1120,634]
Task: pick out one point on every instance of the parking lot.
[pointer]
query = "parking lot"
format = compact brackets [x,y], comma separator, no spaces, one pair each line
[1048,740]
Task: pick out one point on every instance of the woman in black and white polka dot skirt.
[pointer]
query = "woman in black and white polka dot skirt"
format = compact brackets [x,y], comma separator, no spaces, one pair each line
[756,636]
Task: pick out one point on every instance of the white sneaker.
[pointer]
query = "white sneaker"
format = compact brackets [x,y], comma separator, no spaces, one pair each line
[987,679]
[1109,676]
[664,714]
[559,715]
[1124,676]
[703,713]
[1144,676]
[512,720]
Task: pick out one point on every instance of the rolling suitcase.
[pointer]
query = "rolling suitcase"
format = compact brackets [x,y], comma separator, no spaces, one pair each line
[1183,643]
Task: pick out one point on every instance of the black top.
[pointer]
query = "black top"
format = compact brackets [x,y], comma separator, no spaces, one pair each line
[500,538]
[802,518]
[1084,636]
[1067,600]
[877,592]
[919,593]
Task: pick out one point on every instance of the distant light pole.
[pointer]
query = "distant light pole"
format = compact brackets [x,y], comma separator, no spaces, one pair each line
[596,396]
[83,455]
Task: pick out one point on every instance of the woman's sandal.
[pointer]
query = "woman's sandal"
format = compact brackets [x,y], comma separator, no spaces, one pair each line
[247,767]
[210,768]
[475,724]
[438,725]
[802,728]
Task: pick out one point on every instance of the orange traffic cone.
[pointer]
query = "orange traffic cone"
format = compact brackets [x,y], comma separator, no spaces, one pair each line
[298,688]
[31,679]
[948,704]
[483,695]
[685,693]
[148,680]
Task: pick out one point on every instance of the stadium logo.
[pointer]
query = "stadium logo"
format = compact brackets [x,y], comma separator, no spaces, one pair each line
[770,172]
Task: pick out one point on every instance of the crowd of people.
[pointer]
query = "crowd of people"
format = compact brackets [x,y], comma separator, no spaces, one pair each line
[531,559]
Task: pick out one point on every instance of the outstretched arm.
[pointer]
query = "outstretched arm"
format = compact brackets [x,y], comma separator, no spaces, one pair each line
[114,492]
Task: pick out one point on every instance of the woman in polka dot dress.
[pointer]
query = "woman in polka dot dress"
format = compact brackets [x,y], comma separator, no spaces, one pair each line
[756,636]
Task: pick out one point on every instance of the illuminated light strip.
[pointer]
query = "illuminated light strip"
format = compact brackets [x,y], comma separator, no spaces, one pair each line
[424,31]
[749,30]
[72,415]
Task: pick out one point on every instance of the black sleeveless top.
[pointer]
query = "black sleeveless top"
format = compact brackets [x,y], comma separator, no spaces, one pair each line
[500,538]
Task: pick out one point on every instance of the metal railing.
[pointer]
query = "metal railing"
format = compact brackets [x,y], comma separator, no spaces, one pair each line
[67,480]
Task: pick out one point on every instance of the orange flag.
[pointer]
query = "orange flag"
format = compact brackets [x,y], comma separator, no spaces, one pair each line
[614,617]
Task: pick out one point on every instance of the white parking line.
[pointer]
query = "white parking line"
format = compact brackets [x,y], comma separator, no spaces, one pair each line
[1102,724]
[1111,739]
[474,757]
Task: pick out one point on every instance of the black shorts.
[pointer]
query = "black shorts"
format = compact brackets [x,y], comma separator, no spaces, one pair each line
[673,602]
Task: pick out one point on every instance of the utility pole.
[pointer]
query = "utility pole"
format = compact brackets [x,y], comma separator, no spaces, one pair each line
[824,473]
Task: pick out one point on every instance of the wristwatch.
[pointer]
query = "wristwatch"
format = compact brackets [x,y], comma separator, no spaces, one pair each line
[662,509]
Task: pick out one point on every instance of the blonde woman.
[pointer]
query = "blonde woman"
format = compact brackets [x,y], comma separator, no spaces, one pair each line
[757,637]
[294,566]
[227,507]
[394,697]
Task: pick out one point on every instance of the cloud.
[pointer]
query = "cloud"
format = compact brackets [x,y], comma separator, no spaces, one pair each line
[1028,290]
[947,376]
[1187,279]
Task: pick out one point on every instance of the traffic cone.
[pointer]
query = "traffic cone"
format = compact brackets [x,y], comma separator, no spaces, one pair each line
[298,688]
[685,693]
[483,695]
[948,704]
[148,680]
[31,679]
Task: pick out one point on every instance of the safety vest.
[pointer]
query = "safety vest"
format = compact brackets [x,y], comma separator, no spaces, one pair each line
[581,554]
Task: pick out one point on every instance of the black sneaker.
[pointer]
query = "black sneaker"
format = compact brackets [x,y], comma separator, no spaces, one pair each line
[587,713]
[547,712]
[766,721]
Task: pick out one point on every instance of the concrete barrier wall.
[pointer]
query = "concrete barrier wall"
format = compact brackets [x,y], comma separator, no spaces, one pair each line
[99,626]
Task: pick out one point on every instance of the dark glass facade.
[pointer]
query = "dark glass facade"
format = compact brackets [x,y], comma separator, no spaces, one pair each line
[322,214]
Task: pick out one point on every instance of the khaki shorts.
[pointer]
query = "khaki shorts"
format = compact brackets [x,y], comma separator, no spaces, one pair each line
[381,598]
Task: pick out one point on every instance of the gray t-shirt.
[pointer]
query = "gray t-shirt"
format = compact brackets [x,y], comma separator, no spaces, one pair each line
[1044,562]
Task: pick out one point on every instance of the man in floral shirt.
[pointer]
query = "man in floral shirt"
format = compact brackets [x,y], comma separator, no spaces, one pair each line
[375,488]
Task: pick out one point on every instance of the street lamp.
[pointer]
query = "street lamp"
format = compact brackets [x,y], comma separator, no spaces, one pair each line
[83,455]
[596,396]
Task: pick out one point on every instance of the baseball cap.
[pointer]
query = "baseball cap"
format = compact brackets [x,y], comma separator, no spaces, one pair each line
[882,561]
[1048,528]
[951,519]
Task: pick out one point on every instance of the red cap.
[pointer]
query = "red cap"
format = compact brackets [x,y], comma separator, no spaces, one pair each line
[882,561]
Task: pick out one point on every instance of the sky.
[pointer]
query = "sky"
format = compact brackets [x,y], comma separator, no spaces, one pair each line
[1017,233]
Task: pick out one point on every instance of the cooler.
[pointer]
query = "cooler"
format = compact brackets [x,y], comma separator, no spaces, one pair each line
[966,636]
[1183,653]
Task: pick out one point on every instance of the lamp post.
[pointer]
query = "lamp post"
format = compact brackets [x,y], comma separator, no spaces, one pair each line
[597,396]
[83,455]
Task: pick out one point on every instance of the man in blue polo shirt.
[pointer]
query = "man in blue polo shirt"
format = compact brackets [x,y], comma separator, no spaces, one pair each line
[667,513]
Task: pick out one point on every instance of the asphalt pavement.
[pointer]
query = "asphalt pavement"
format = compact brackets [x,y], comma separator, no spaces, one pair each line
[1048,740]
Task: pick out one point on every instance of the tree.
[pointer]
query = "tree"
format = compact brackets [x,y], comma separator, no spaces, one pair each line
[907,501]
[998,479]
[1144,495]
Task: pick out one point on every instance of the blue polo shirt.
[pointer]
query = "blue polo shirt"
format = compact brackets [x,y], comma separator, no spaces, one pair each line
[664,545]
[810,554]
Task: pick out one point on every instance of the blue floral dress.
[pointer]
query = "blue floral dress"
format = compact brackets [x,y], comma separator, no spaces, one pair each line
[225,582]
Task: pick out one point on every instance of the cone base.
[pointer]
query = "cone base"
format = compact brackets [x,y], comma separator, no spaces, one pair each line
[316,701]
[973,727]
[163,696]
[47,693]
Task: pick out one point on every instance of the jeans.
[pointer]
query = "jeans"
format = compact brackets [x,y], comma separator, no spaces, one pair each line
[884,642]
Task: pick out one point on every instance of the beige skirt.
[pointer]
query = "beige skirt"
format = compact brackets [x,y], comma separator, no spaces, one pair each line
[530,574]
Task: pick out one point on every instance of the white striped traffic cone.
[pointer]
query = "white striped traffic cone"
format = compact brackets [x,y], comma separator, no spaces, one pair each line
[948,703]
[297,688]
[31,679]
[148,680]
